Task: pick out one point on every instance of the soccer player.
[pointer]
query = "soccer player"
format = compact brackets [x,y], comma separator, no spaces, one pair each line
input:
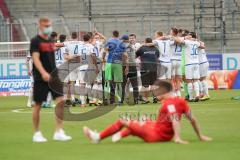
[149,55]
[98,43]
[184,33]
[164,46]
[29,64]
[167,127]
[203,63]
[88,69]
[132,76]
[59,53]
[42,50]
[113,70]
[192,64]
[72,56]
[176,61]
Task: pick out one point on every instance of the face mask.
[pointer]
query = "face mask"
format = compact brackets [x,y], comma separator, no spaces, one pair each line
[47,30]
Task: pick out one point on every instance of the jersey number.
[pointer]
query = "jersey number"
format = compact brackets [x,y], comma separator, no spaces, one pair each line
[164,44]
[194,50]
[84,54]
[178,49]
[76,50]
[59,55]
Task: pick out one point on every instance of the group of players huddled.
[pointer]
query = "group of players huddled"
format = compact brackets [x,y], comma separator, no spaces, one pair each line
[102,71]
[108,69]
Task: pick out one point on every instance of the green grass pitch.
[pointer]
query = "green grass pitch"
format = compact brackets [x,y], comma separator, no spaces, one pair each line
[219,118]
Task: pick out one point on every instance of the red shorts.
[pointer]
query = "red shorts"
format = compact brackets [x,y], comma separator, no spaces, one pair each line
[147,131]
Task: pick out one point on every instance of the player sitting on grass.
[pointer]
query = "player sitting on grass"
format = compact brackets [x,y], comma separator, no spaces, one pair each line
[165,128]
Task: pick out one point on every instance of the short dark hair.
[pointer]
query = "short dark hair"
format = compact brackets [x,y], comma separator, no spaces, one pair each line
[86,37]
[159,33]
[193,34]
[90,34]
[115,33]
[54,34]
[62,38]
[148,40]
[185,32]
[174,30]
[74,35]
[133,35]
[162,87]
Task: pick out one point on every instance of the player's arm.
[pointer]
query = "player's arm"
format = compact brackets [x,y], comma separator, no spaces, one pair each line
[58,45]
[101,36]
[178,40]
[177,129]
[28,66]
[202,45]
[94,60]
[126,62]
[39,66]
[104,53]
[196,127]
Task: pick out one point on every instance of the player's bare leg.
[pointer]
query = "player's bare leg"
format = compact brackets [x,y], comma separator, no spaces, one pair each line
[71,88]
[190,89]
[59,134]
[83,92]
[36,116]
[96,137]
[178,85]
[196,89]
[203,81]
[37,137]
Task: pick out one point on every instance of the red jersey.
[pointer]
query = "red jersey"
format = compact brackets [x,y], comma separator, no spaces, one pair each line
[174,105]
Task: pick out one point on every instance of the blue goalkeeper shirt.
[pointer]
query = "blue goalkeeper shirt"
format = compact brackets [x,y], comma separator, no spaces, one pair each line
[116,48]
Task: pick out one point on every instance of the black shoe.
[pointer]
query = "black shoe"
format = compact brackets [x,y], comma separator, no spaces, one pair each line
[74,103]
[191,100]
[77,101]
[197,99]
[145,102]
[105,102]
[187,97]
[136,101]
[68,102]
[155,100]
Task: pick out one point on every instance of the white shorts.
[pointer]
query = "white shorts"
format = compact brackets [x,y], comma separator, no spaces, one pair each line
[99,76]
[74,75]
[204,69]
[176,68]
[164,71]
[192,71]
[88,76]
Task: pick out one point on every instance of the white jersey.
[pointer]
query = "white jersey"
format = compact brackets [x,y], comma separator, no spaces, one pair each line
[30,62]
[191,52]
[164,49]
[72,47]
[59,56]
[202,56]
[177,51]
[97,49]
[136,46]
[86,51]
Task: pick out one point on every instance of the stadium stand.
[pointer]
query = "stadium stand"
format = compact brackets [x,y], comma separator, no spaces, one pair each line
[143,17]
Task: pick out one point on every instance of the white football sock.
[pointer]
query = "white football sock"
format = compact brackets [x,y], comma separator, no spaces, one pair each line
[30,98]
[200,87]
[205,87]
[178,92]
[196,88]
[49,98]
[190,90]
[118,91]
